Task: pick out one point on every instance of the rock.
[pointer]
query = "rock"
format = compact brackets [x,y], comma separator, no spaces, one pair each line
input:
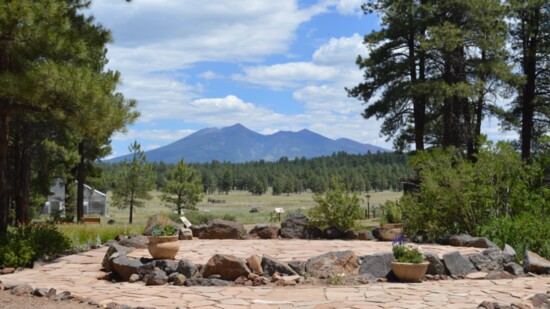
[436,267]
[157,277]
[227,266]
[514,269]
[444,240]
[271,265]
[114,251]
[133,278]
[457,265]
[488,260]
[376,266]
[254,210]
[476,275]
[254,262]
[7,270]
[66,295]
[120,237]
[376,233]
[145,269]
[186,234]
[365,235]
[333,263]
[540,300]
[289,280]
[298,266]
[264,231]
[499,275]
[295,226]
[125,267]
[188,269]
[350,235]
[22,289]
[509,254]
[465,240]
[333,233]
[218,229]
[40,292]
[137,241]
[206,282]
[177,279]
[167,266]
[534,263]
[160,220]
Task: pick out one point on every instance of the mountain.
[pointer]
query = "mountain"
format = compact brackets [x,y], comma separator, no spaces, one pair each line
[240,144]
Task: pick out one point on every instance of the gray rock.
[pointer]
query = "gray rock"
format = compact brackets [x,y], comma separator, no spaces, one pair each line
[376,266]
[133,278]
[264,231]
[350,235]
[458,265]
[137,241]
[167,266]
[333,263]
[125,267]
[333,233]
[465,240]
[294,226]
[298,266]
[43,292]
[534,263]
[271,265]
[66,295]
[160,220]
[188,269]
[227,266]
[365,235]
[488,260]
[218,229]
[177,279]
[22,289]
[436,267]
[186,234]
[114,251]
[540,300]
[157,277]
[145,269]
[514,269]
[509,254]
[483,242]
[376,233]
[499,275]
[206,282]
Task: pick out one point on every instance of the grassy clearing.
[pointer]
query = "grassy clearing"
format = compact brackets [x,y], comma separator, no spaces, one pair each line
[93,234]
[239,203]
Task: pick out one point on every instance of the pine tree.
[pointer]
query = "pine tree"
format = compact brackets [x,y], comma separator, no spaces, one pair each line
[184,189]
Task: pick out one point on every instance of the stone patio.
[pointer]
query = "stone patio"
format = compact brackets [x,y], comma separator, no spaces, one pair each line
[78,274]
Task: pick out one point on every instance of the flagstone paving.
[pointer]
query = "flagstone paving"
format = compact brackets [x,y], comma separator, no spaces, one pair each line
[78,274]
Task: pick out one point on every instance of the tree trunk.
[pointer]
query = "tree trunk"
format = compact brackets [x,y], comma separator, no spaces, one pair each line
[528,95]
[80,184]
[23,178]
[4,191]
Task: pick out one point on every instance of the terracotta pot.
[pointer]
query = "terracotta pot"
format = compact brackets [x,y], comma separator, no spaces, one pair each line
[163,247]
[409,272]
[390,231]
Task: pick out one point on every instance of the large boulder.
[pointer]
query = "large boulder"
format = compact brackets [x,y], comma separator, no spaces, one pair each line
[458,265]
[376,266]
[271,265]
[264,231]
[333,263]
[218,229]
[436,267]
[228,267]
[295,226]
[115,250]
[160,220]
[534,263]
[125,267]
[488,260]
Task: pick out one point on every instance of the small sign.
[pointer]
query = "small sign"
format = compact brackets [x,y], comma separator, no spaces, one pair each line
[186,222]
[279,210]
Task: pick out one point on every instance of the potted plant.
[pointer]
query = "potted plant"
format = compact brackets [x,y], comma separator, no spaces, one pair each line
[163,242]
[409,264]
[390,224]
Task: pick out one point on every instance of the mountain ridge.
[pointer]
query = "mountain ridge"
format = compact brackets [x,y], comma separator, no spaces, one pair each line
[239,144]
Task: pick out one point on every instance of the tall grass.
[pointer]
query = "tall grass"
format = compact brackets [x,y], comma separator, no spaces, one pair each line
[85,236]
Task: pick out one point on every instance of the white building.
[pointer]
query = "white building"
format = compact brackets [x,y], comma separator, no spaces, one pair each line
[95,202]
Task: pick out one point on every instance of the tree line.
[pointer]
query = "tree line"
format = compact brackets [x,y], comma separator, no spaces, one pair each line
[437,69]
[58,103]
[369,172]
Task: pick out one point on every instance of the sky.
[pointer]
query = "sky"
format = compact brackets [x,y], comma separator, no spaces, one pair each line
[269,65]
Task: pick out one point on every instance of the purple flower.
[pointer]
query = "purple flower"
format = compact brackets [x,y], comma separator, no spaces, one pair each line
[398,240]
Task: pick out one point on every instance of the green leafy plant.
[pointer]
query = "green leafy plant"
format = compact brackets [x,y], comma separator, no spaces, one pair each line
[392,213]
[159,230]
[406,253]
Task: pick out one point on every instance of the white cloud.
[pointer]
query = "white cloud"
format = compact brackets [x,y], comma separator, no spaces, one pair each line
[350,7]
[210,75]
[155,135]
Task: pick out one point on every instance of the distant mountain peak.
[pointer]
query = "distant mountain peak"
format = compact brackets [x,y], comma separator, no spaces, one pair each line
[237,143]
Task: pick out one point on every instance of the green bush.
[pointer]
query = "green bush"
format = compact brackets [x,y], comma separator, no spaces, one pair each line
[336,208]
[459,196]
[392,213]
[525,231]
[24,244]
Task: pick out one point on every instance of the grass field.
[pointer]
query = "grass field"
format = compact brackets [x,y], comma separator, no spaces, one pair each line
[239,203]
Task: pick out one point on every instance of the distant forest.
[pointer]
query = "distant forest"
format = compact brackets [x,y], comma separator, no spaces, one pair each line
[370,172]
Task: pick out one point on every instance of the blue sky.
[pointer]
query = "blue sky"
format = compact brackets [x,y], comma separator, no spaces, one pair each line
[269,65]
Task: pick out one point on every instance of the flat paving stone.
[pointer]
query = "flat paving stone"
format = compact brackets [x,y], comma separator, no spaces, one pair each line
[78,274]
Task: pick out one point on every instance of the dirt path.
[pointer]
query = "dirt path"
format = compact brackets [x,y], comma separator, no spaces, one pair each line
[9,301]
